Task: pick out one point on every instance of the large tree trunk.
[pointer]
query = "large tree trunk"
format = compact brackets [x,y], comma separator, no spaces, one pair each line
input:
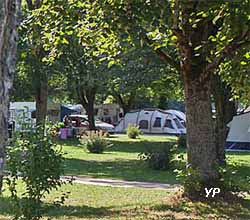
[201,150]
[8,42]
[201,147]
[225,110]
[41,97]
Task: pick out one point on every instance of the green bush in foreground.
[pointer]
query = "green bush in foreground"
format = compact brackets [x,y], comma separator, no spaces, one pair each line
[35,160]
[133,131]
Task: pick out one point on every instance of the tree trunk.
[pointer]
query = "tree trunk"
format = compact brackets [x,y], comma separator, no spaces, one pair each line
[126,105]
[8,43]
[201,150]
[225,110]
[41,101]
[87,98]
[91,114]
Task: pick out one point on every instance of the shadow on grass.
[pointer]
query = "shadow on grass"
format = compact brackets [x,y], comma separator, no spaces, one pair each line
[68,142]
[175,209]
[138,146]
[212,210]
[64,210]
[80,211]
[131,170]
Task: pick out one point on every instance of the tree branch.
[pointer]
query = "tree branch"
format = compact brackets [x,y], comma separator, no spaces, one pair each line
[239,41]
[164,56]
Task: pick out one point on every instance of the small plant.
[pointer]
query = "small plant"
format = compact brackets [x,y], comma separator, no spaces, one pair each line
[96,144]
[182,141]
[133,131]
[159,159]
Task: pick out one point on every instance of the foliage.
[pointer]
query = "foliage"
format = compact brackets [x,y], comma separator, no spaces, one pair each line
[139,79]
[191,180]
[182,141]
[159,159]
[96,144]
[38,162]
[230,179]
[133,131]
[59,125]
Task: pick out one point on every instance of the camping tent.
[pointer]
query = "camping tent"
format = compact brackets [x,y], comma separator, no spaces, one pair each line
[180,115]
[153,121]
[239,134]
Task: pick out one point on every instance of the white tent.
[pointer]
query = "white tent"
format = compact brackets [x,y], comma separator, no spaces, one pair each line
[153,121]
[180,115]
[239,134]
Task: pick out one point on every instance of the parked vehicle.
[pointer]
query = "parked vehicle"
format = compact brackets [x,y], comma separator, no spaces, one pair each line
[82,121]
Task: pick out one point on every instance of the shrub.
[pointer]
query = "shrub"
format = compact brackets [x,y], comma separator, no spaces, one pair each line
[133,131]
[229,182]
[182,141]
[96,144]
[36,161]
[159,159]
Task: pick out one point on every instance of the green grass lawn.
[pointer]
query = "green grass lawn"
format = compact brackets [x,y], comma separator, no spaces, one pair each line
[121,160]
[103,203]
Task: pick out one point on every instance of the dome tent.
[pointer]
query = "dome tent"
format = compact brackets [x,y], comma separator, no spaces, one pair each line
[154,121]
[239,134]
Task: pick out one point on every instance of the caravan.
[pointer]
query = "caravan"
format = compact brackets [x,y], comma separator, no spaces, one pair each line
[21,113]
[154,121]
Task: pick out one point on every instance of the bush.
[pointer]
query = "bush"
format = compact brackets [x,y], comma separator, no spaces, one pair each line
[182,141]
[159,159]
[96,144]
[133,131]
[36,161]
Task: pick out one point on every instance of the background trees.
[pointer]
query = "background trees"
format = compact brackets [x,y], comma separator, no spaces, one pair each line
[205,35]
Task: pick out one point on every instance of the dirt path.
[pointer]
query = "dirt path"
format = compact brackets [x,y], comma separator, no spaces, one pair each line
[121,183]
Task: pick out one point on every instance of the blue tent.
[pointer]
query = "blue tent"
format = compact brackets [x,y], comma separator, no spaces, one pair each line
[70,109]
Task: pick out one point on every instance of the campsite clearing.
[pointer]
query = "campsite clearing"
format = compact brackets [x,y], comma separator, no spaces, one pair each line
[121,160]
